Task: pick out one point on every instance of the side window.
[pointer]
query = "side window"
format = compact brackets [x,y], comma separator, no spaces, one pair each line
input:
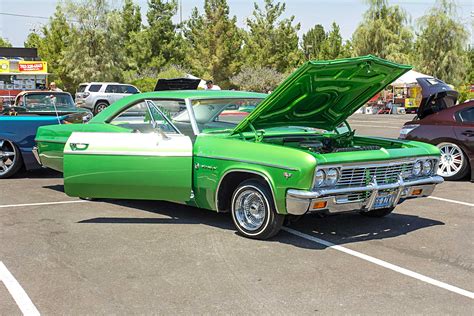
[170,108]
[111,88]
[95,87]
[467,115]
[139,118]
[130,89]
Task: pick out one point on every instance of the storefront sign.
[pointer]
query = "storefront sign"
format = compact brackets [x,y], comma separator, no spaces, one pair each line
[32,66]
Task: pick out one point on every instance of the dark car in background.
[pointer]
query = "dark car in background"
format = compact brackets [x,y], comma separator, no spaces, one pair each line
[19,122]
[449,126]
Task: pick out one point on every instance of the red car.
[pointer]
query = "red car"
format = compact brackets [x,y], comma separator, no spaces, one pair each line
[449,126]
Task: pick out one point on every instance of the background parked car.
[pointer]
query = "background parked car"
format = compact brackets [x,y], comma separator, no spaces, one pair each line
[96,96]
[19,122]
[448,126]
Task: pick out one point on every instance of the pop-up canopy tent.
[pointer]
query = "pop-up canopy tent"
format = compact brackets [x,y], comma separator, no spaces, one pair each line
[408,79]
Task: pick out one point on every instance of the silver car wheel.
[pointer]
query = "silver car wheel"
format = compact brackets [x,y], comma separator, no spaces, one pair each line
[250,209]
[452,159]
[8,156]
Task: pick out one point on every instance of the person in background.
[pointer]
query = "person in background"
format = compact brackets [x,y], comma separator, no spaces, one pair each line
[211,86]
[52,87]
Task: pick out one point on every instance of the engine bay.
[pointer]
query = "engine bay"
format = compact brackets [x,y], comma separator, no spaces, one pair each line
[328,143]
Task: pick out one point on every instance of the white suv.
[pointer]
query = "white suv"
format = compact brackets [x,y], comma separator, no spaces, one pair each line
[96,96]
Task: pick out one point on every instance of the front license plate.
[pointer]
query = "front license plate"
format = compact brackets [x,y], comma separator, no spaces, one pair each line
[383,201]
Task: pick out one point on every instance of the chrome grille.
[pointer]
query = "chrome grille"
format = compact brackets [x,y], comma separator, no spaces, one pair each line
[362,175]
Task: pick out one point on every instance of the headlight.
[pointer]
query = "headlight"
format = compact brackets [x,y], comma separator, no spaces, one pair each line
[332,175]
[427,167]
[319,178]
[417,168]
[406,130]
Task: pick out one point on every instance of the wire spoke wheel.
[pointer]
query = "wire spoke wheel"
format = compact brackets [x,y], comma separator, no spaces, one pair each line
[8,157]
[250,209]
[452,160]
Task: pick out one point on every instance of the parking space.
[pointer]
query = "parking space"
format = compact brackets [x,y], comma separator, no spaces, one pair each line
[146,257]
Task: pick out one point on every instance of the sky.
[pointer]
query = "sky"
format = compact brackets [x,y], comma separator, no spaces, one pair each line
[347,13]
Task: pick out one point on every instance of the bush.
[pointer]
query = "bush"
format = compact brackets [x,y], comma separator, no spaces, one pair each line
[258,79]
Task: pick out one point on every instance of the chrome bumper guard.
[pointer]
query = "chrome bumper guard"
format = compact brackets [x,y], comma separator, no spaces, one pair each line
[36,154]
[298,202]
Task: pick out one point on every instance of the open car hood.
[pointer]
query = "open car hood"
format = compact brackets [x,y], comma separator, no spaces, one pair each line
[437,96]
[322,94]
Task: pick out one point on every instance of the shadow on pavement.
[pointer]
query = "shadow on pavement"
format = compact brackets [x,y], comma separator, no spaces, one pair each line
[338,229]
[43,173]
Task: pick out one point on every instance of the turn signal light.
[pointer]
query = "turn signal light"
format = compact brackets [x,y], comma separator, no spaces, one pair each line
[417,192]
[320,204]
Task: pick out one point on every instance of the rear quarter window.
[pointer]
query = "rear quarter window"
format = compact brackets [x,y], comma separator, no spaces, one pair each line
[130,89]
[82,88]
[95,87]
[466,115]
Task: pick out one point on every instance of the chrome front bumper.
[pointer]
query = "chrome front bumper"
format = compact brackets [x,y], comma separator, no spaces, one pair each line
[298,202]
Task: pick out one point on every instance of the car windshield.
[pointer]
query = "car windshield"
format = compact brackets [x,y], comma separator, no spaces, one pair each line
[47,101]
[223,113]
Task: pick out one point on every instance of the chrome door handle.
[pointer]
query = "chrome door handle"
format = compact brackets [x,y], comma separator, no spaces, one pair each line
[78,146]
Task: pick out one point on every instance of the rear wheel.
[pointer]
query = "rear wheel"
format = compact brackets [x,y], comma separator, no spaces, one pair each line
[453,164]
[379,212]
[253,211]
[10,159]
[100,106]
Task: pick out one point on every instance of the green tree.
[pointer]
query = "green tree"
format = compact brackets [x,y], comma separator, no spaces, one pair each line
[384,33]
[333,46]
[441,44]
[257,79]
[272,41]
[164,41]
[95,51]
[55,39]
[313,41]
[131,18]
[214,42]
[33,40]
[4,42]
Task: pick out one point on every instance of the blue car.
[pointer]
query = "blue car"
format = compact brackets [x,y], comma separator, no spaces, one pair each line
[19,122]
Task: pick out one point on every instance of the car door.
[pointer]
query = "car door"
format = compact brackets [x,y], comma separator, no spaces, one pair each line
[150,161]
[464,128]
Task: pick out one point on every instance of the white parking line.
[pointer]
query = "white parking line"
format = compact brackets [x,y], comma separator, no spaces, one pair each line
[44,203]
[19,295]
[450,201]
[382,263]
[365,125]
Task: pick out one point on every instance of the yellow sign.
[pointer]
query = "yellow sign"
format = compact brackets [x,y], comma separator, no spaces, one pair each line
[4,65]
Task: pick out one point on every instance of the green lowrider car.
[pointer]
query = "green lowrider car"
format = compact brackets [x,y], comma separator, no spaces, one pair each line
[293,154]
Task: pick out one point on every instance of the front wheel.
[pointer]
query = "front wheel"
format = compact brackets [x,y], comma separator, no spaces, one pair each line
[453,164]
[253,211]
[10,159]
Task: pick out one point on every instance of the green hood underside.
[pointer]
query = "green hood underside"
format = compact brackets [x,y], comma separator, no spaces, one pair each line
[323,94]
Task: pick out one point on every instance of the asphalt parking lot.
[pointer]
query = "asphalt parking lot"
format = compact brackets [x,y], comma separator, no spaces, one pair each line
[60,255]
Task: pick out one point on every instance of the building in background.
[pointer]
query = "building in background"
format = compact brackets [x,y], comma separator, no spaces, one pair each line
[20,70]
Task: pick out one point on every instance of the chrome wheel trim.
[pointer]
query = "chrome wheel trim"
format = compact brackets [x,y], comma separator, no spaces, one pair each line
[250,208]
[8,156]
[452,160]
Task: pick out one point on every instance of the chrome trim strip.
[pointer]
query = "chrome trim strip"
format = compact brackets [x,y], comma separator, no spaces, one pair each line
[247,171]
[247,161]
[192,118]
[371,187]
[383,163]
[123,153]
